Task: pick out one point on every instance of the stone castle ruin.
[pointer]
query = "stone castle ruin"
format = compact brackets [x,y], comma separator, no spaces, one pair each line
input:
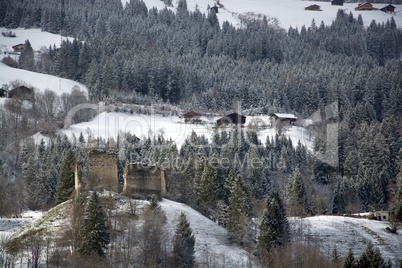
[141,178]
[103,174]
[102,170]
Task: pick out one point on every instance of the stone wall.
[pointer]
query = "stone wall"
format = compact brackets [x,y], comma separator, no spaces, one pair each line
[140,178]
[102,171]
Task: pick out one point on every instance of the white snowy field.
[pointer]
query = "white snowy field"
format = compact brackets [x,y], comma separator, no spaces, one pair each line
[354,233]
[109,125]
[286,12]
[36,37]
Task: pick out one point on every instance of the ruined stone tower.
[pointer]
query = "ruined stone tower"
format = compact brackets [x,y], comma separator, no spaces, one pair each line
[102,170]
[141,178]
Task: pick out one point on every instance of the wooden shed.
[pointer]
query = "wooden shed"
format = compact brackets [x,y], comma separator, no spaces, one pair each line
[337,2]
[388,9]
[234,118]
[365,6]
[191,117]
[313,8]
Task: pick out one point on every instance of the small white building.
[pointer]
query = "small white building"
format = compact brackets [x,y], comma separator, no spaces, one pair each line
[381,215]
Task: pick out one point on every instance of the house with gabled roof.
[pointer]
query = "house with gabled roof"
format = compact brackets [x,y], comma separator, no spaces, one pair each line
[281,119]
[19,47]
[388,9]
[231,119]
[313,8]
[365,6]
[190,117]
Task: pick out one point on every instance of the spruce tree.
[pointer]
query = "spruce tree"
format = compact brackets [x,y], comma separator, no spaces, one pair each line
[152,231]
[238,207]
[350,260]
[297,194]
[27,58]
[153,203]
[66,183]
[206,184]
[335,259]
[274,227]
[94,234]
[183,243]
[371,257]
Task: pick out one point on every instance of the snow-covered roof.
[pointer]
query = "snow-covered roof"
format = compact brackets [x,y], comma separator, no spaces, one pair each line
[285,116]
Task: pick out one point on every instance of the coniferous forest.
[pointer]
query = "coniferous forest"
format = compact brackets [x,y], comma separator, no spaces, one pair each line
[144,56]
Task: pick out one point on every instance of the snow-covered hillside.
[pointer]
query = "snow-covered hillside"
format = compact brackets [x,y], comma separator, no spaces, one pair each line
[36,37]
[39,81]
[347,232]
[211,239]
[286,12]
[109,125]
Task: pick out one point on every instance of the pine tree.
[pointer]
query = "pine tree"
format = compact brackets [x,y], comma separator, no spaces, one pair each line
[297,193]
[67,182]
[183,243]
[152,229]
[274,227]
[94,234]
[229,183]
[335,259]
[238,208]
[206,184]
[153,203]
[350,260]
[371,257]
[27,59]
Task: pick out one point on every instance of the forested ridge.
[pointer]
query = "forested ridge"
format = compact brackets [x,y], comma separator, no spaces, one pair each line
[133,54]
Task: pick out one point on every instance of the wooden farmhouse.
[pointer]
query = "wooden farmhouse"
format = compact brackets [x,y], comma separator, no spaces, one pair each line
[19,47]
[337,2]
[22,92]
[279,120]
[231,119]
[365,6]
[191,117]
[313,8]
[388,9]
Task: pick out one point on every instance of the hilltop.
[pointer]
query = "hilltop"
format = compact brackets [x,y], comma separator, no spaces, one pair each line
[212,242]
[125,216]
